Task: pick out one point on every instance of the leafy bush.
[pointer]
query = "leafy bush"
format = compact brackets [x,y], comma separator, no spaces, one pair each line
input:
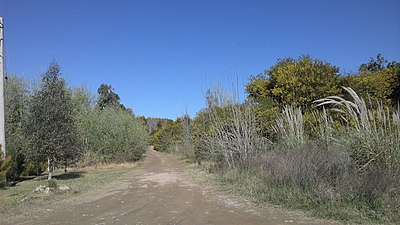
[295,82]
[16,166]
[4,167]
[112,135]
[173,134]
[34,169]
[168,135]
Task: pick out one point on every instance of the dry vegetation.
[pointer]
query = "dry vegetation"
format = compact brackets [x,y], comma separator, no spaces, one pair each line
[347,172]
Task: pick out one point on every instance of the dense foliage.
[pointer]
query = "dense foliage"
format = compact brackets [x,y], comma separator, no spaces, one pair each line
[377,79]
[296,82]
[16,115]
[51,129]
[306,137]
[51,125]
[112,135]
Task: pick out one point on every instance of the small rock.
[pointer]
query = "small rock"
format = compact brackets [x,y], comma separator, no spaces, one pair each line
[47,190]
[40,189]
[64,188]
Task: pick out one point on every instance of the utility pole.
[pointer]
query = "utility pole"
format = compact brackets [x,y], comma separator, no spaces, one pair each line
[2,117]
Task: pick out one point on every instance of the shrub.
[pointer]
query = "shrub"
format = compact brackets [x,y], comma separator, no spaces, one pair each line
[4,167]
[16,166]
[295,82]
[34,169]
[112,135]
[168,135]
[371,133]
[308,166]
[52,184]
[232,138]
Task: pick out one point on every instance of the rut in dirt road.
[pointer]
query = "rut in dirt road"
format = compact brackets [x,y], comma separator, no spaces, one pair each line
[163,191]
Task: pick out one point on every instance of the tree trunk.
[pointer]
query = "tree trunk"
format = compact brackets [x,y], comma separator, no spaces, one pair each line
[50,169]
[38,172]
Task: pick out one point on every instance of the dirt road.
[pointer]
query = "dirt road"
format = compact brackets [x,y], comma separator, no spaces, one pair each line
[163,191]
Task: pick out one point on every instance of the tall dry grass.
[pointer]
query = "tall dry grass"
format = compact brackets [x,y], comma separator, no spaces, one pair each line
[344,167]
[234,138]
[372,133]
[290,126]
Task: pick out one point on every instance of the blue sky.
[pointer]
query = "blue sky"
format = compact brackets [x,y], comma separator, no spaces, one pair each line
[160,56]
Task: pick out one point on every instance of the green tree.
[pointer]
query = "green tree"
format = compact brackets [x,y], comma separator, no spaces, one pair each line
[83,104]
[295,82]
[378,79]
[107,98]
[51,127]
[168,135]
[16,101]
[378,64]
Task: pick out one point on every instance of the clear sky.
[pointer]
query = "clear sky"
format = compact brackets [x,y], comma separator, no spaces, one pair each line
[160,56]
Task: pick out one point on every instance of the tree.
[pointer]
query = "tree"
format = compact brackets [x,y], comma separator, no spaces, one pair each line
[167,135]
[113,135]
[295,82]
[51,126]
[375,65]
[378,79]
[83,104]
[16,100]
[107,97]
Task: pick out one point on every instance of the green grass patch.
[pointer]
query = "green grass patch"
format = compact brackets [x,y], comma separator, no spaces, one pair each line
[22,198]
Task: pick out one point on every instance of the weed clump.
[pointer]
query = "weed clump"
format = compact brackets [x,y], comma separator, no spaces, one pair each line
[340,160]
[52,184]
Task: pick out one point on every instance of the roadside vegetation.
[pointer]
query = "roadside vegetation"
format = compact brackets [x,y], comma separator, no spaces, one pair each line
[50,125]
[306,137]
[84,184]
